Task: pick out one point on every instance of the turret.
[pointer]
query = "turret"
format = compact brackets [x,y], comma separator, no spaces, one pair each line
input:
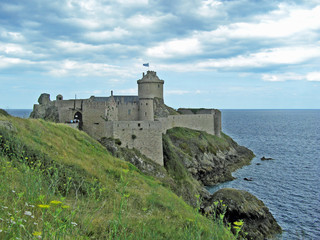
[149,87]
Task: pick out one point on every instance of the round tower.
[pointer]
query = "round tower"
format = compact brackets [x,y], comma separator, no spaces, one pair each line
[149,87]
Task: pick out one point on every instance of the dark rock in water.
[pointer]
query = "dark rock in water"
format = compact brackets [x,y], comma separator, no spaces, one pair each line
[258,164]
[248,179]
[264,158]
[241,205]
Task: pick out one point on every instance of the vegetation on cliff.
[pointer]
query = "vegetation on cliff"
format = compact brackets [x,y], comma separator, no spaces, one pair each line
[209,159]
[3,112]
[57,182]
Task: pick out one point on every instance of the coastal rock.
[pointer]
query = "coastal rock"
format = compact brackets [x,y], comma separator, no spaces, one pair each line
[209,159]
[265,159]
[248,179]
[241,205]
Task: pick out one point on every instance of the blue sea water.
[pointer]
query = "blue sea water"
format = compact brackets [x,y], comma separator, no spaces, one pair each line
[290,184]
[22,113]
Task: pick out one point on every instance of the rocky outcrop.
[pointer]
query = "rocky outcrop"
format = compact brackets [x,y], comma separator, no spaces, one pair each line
[46,109]
[161,110]
[209,159]
[238,205]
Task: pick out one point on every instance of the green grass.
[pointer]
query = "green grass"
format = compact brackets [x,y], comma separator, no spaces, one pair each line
[59,183]
[188,138]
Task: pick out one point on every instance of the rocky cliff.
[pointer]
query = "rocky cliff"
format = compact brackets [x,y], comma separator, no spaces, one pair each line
[209,159]
[241,206]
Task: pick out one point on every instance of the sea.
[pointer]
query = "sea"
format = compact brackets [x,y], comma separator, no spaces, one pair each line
[289,185]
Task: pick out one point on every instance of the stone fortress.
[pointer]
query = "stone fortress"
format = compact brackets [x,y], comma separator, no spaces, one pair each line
[137,121]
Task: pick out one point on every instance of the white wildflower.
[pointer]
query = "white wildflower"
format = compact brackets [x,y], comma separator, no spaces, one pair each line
[28,213]
[35,223]
[13,191]
[74,224]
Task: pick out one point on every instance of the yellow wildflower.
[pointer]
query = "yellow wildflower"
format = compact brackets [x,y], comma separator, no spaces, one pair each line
[43,206]
[238,223]
[65,206]
[36,233]
[55,202]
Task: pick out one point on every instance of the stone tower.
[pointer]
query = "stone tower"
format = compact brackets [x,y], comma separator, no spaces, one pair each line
[149,87]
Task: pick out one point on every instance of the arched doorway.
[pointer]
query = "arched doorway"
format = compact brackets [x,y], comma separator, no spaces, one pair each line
[78,118]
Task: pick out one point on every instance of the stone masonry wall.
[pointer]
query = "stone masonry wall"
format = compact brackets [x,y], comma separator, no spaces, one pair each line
[201,122]
[146,136]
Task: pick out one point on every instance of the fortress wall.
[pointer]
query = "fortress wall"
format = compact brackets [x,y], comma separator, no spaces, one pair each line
[217,122]
[146,136]
[93,118]
[201,122]
[69,103]
[128,111]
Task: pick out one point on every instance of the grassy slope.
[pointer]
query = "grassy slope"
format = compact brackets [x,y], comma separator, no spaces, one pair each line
[102,196]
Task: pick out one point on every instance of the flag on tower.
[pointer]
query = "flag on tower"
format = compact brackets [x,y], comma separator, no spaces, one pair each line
[146,64]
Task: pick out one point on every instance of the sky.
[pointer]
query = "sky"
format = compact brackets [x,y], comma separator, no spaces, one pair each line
[225,54]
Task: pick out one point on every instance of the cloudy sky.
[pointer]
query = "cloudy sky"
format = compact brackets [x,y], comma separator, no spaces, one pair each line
[211,53]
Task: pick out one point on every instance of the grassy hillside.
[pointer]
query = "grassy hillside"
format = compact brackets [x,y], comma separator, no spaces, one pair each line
[59,183]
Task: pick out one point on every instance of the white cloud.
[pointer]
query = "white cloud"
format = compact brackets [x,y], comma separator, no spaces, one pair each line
[133,2]
[115,34]
[209,8]
[84,69]
[274,25]
[12,36]
[75,47]
[273,56]
[6,62]
[175,48]
[282,77]
[313,76]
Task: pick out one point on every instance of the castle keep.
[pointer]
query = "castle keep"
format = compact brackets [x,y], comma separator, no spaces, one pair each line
[137,121]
